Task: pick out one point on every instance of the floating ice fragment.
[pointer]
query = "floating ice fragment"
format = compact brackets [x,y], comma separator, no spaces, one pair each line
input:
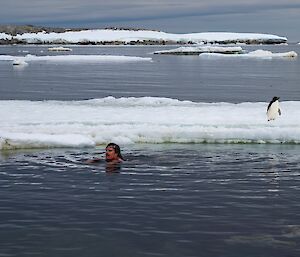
[254,54]
[59,49]
[201,49]
[75,58]
[19,62]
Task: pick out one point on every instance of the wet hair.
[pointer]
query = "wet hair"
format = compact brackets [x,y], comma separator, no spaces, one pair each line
[117,149]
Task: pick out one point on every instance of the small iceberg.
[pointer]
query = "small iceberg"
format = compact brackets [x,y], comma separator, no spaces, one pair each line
[263,53]
[202,49]
[59,49]
[19,62]
[255,54]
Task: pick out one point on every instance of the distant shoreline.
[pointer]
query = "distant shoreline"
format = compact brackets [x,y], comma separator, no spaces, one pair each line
[37,35]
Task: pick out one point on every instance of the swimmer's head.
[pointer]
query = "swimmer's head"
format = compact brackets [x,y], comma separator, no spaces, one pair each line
[113,152]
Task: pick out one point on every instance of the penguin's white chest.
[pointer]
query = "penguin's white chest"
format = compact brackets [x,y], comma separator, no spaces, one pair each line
[272,113]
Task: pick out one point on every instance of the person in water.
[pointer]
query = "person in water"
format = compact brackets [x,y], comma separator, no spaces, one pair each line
[112,154]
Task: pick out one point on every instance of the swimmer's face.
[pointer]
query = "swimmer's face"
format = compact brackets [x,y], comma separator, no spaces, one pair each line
[110,154]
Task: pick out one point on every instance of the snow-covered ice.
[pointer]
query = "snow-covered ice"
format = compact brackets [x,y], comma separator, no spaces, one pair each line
[254,54]
[31,124]
[202,49]
[74,58]
[127,36]
[59,49]
[5,36]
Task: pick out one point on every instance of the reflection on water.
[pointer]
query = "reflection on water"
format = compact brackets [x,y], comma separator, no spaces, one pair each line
[113,167]
[165,200]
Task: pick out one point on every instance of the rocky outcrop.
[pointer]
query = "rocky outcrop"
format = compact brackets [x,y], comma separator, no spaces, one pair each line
[15,29]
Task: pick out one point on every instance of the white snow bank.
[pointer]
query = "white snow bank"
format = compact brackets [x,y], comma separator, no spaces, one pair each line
[255,54]
[107,35]
[201,49]
[5,36]
[75,58]
[30,124]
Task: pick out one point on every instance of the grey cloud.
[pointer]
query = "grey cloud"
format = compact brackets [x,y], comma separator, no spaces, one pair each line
[36,10]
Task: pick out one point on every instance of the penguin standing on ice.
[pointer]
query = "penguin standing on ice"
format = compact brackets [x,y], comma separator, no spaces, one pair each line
[273,109]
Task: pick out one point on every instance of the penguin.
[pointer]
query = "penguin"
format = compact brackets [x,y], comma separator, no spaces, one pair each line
[273,109]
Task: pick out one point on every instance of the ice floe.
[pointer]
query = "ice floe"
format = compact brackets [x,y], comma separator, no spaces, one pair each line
[254,54]
[74,58]
[59,49]
[202,49]
[113,36]
[31,124]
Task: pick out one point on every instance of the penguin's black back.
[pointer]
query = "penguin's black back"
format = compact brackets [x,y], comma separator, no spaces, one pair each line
[275,98]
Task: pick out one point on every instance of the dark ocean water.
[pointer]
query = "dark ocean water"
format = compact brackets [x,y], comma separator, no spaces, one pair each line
[215,200]
[166,200]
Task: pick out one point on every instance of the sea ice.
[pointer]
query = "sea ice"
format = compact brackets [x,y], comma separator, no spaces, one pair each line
[74,58]
[31,124]
[255,54]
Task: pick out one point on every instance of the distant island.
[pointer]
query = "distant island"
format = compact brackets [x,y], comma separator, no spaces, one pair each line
[29,34]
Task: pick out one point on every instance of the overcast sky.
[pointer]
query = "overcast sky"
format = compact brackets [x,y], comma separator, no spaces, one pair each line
[279,17]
